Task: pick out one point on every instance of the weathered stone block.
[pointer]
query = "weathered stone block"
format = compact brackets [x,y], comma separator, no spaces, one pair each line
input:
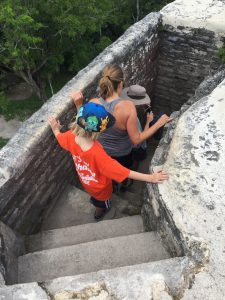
[11,246]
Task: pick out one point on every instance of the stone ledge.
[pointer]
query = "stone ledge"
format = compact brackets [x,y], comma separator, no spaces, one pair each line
[30,291]
[144,281]
[208,14]
[149,281]
[194,194]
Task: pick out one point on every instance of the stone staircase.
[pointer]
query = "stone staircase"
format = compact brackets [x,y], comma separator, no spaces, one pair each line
[72,243]
[62,250]
[84,233]
[71,251]
[75,257]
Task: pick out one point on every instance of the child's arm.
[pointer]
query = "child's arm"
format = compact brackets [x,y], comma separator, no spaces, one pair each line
[64,139]
[114,170]
[157,177]
[55,125]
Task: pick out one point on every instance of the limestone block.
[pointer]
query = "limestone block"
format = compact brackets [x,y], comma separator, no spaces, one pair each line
[92,292]
[191,33]
[31,291]
[11,246]
[194,195]
[150,281]
[208,14]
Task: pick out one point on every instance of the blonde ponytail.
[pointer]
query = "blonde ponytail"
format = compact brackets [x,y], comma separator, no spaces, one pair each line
[112,75]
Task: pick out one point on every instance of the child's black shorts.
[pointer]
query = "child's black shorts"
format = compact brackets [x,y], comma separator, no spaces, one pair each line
[101,204]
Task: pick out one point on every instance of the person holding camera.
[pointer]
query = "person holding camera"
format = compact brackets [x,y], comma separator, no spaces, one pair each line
[138,95]
[118,141]
[95,168]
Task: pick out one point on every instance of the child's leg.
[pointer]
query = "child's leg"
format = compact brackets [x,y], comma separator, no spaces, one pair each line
[102,207]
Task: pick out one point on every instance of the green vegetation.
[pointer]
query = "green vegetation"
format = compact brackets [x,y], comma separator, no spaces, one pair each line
[40,40]
[221,53]
[24,108]
[4,104]
[21,109]
[3,142]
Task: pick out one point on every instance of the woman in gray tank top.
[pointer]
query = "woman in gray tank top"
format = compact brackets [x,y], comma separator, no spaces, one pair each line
[119,140]
[115,141]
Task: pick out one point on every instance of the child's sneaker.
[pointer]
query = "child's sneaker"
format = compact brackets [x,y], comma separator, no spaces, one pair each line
[101,216]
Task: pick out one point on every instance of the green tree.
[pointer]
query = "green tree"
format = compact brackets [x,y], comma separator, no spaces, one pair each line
[19,42]
[221,54]
[36,36]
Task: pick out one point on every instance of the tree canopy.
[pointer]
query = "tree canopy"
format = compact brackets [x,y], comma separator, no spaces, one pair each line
[37,38]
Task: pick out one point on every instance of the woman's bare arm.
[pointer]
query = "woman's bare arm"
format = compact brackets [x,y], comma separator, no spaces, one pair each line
[77,98]
[135,135]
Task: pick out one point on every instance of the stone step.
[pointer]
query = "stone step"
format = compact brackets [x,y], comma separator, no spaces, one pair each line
[150,281]
[84,233]
[74,208]
[90,257]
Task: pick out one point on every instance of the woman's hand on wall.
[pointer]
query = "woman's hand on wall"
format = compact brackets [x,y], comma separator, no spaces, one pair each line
[163,120]
[77,98]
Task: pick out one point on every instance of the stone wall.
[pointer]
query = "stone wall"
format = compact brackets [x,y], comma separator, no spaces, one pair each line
[191,34]
[11,246]
[186,57]
[155,211]
[33,169]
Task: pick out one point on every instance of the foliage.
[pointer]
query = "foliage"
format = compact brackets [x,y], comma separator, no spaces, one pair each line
[3,142]
[38,38]
[23,109]
[221,53]
[155,5]
[4,104]
[127,12]
[37,35]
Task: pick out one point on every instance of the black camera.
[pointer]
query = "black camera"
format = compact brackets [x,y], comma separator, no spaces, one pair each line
[147,108]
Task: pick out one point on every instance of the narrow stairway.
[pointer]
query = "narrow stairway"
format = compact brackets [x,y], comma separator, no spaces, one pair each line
[72,243]
[70,251]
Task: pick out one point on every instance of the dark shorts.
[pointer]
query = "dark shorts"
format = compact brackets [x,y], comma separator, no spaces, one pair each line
[126,160]
[139,154]
[101,204]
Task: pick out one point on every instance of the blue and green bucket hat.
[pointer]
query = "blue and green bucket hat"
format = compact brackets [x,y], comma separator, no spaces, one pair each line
[93,117]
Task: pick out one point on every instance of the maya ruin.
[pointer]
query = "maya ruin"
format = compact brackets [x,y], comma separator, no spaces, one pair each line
[167,241]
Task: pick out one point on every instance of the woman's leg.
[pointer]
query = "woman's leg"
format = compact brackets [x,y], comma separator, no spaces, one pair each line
[126,161]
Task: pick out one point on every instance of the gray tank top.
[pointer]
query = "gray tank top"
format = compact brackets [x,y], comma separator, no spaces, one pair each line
[116,142]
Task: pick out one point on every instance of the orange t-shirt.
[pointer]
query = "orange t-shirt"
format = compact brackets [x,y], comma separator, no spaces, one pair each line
[95,167]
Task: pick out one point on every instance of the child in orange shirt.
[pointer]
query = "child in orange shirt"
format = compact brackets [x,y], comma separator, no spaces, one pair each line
[95,168]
